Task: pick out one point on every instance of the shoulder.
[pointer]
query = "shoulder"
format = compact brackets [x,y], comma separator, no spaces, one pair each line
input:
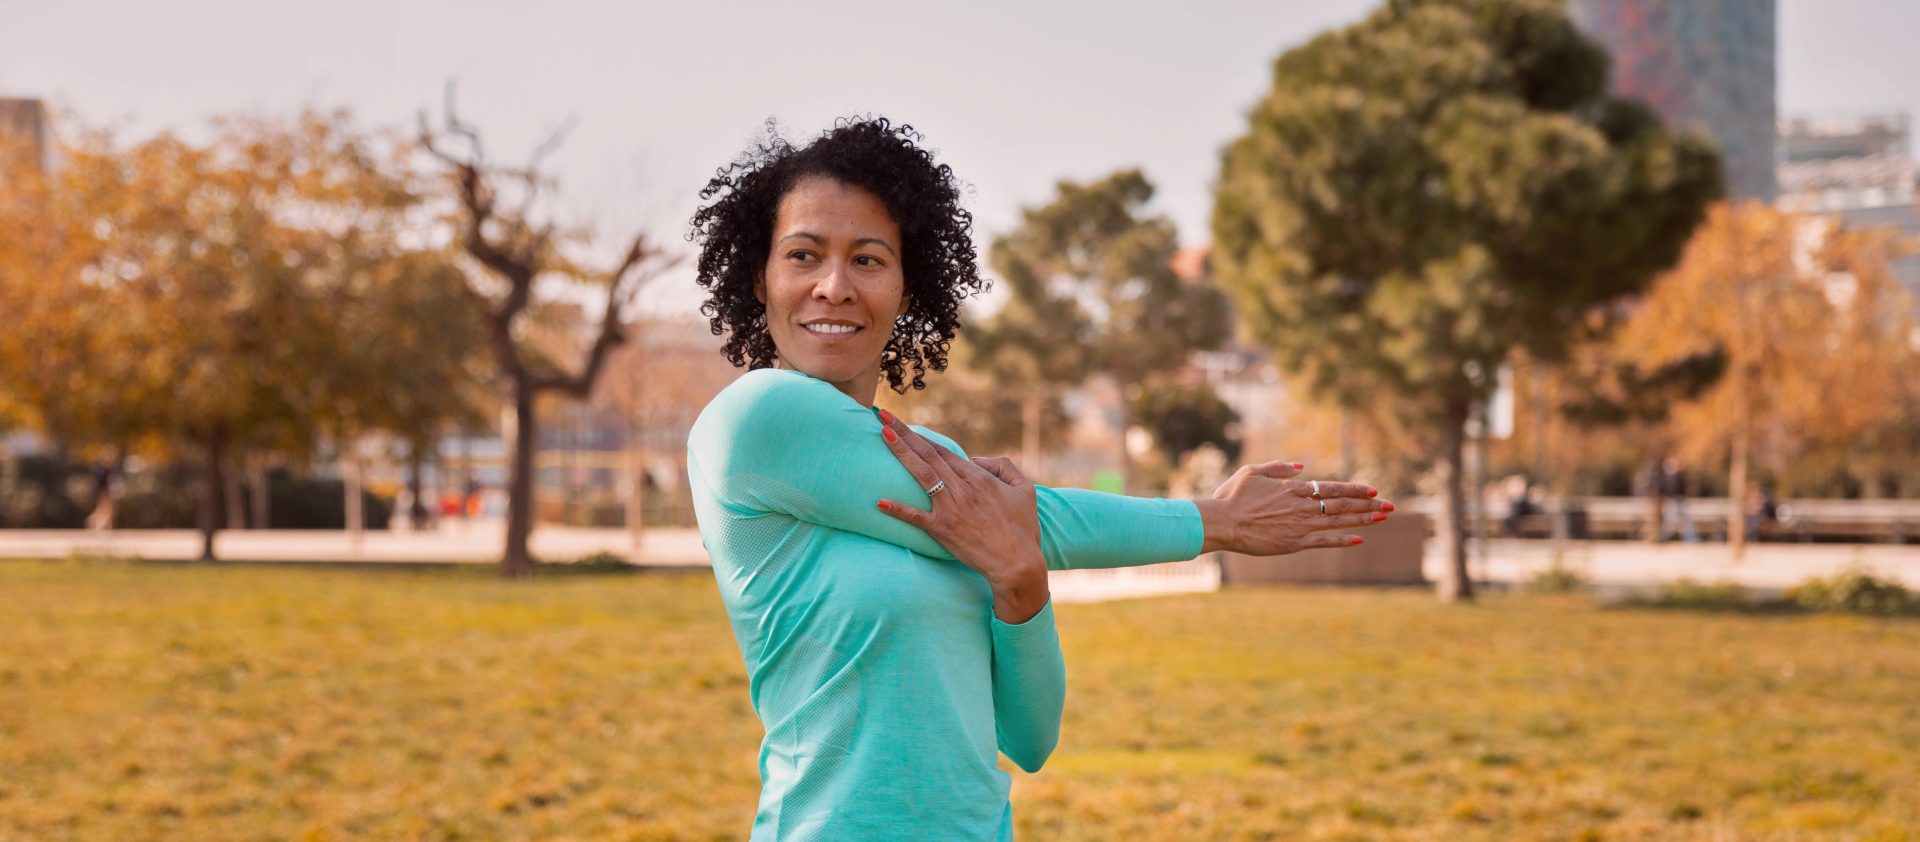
[762,390]
[768,399]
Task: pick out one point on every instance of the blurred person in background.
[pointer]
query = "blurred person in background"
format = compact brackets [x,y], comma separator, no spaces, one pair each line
[106,484]
[1760,509]
[888,593]
[1672,486]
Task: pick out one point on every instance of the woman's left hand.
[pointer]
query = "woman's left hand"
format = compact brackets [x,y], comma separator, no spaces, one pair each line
[984,512]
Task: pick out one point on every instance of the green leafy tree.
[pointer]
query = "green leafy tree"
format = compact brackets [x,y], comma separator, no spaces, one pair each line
[1094,292]
[1426,191]
[1182,417]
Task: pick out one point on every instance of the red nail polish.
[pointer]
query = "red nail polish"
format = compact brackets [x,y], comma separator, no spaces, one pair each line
[884,506]
[1357,540]
[1373,492]
[889,433]
[1386,507]
[1298,465]
[1379,516]
[886,416]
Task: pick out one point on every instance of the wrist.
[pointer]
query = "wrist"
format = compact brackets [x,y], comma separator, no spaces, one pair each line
[1218,525]
[1017,597]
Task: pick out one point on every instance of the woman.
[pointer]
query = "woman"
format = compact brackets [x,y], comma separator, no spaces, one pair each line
[889,595]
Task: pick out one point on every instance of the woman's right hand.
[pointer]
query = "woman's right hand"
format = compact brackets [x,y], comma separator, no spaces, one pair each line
[984,514]
[1261,510]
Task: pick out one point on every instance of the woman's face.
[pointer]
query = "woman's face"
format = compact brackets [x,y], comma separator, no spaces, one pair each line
[832,284]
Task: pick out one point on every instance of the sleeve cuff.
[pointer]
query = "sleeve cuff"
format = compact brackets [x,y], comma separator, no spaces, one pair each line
[1040,623]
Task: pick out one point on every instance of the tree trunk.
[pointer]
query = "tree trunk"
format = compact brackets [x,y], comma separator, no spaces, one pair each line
[262,502]
[1126,427]
[1482,523]
[1030,417]
[416,514]
[1455,586]
[517,563]
[356,509]
[1737,477]
[236,510]
[466,473]
[1657,504]
[637,495]
[212,491]
[1542,419]
[1349,459]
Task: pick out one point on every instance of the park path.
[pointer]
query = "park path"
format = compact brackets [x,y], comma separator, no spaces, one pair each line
[1632,565]
[1613,566]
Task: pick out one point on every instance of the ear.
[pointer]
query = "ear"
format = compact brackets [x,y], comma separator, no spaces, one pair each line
[905,302]
[760,287]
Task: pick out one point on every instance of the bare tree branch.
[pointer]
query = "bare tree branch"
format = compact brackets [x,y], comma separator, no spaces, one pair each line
[512,247]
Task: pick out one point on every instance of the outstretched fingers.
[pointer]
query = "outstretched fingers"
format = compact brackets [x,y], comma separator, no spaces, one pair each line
[1329,490]
[1318,540]
[1276,470]
[1350,521]
[1350,505]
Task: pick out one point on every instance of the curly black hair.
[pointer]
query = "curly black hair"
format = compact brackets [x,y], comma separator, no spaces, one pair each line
[734,230]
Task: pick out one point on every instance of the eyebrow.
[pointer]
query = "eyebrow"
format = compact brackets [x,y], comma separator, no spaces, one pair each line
[858,242]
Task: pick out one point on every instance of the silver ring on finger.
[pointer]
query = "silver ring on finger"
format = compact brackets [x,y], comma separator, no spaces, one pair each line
[1323,506]
[941,485]
[1316,494]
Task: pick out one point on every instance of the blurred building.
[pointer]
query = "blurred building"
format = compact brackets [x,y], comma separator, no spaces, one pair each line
[26,119]
[1242,374]
[1702,64]
[1860,170]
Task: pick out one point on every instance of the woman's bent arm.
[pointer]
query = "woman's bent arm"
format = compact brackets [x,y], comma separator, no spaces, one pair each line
[1029,688]
[780,441]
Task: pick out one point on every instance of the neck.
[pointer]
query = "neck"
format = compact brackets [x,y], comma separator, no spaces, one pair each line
[861,388]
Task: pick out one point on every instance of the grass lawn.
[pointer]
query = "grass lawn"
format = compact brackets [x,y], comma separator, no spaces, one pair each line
[202,703]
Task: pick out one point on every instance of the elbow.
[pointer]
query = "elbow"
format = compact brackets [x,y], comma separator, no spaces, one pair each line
[1034,755]
[1032,764]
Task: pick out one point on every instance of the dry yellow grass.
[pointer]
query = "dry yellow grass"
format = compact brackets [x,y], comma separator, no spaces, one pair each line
[197,702]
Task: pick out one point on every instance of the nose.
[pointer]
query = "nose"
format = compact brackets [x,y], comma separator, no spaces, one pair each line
[834,287]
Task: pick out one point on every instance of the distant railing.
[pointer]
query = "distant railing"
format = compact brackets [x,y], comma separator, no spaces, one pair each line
[1625,518]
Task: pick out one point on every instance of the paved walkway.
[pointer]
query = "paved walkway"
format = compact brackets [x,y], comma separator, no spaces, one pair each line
[1619,565]
[1611,565]
[457,542]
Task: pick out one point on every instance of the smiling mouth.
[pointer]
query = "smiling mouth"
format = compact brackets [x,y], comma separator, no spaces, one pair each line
[831,330]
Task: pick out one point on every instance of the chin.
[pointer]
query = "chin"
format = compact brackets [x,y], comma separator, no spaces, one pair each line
[832,371]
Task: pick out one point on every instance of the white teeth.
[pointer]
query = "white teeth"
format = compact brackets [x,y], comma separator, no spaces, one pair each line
[826,328]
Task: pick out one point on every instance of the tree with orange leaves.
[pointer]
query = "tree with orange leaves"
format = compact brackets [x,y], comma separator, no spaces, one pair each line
[1813,329]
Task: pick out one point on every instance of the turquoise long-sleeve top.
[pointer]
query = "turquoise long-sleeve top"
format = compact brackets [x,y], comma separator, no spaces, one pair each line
[874,661]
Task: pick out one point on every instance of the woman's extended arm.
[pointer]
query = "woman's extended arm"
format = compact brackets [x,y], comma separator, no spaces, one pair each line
[780,441]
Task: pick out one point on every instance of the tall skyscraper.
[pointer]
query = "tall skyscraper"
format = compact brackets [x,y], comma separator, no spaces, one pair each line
[26,119]
[1702,64]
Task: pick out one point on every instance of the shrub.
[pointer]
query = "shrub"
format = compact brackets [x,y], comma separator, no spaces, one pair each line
[601,562]
[1853,592]
[38,492]
[1559,578]
[1689,593]
[41,493]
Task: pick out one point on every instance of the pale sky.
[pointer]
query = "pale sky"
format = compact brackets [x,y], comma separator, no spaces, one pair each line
[1014,95]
